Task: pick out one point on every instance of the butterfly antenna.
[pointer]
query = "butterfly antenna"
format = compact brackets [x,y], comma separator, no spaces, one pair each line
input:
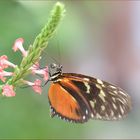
[50,57]
[59,53]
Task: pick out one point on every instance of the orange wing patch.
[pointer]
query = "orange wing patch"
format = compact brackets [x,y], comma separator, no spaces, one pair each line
[63,103]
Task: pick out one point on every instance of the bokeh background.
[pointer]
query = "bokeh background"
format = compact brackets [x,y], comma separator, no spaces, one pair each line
[100,39]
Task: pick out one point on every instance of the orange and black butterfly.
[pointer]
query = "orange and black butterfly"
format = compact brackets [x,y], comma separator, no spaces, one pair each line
[78,98]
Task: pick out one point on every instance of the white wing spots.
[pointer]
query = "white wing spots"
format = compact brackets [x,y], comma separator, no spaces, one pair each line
[106,115]
[98,86]
[121,101]
[92,103]
[113,99]
[112,113]
[51,110]
[71,121]
[86,79]
[115,92]
[98,116]
[107,118]
[84,117]
[114,118]
[112,93]
[102,95]
[103,85]
[64,119]
[121,92]
[115,107]
[121,109]
[86,111]
[124,101]
[92,115]
[54,76]
[103,107]
[67,120]
[99,81]
[87,86]
[120,116]
[111,86]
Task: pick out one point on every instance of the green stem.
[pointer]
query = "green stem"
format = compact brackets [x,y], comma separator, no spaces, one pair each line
[38,46]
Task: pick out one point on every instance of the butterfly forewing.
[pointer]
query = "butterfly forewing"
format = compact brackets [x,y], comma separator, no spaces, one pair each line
[107,101]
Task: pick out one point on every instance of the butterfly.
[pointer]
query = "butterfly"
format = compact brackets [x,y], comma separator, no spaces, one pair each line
[78,98]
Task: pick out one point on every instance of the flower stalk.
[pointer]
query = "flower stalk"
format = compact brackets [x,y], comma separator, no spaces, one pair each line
[33,54]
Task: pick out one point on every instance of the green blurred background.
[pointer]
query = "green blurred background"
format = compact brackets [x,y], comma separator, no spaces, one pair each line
[99,39]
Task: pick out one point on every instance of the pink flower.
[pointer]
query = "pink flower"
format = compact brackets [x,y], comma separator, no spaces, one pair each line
[3,58]
[44,72]
[4,63]
[8,91]
[36,85]
[3,74]
[35,67]
[18,45]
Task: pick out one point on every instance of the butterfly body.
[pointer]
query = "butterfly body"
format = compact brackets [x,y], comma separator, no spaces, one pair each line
[77,98]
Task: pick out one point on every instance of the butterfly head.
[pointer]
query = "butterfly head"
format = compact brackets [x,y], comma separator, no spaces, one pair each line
[54,71]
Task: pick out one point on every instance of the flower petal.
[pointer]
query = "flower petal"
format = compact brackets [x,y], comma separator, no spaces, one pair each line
[37,86]
[43,72]
[18,45]
[3,58]
[8,91]
[3,74]
[4,63]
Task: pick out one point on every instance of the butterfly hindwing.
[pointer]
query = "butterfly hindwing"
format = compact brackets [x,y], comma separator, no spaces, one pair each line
[66,102]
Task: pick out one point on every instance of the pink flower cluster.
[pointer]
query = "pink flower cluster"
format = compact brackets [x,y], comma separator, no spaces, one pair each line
[8,90]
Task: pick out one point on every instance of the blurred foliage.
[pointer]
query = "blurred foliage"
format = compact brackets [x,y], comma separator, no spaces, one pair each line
[27,114]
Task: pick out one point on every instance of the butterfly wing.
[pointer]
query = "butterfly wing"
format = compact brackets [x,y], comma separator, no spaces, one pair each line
[92,98]
[107,101]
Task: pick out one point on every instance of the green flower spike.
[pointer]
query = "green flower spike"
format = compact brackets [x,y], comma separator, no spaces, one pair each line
[33,54]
